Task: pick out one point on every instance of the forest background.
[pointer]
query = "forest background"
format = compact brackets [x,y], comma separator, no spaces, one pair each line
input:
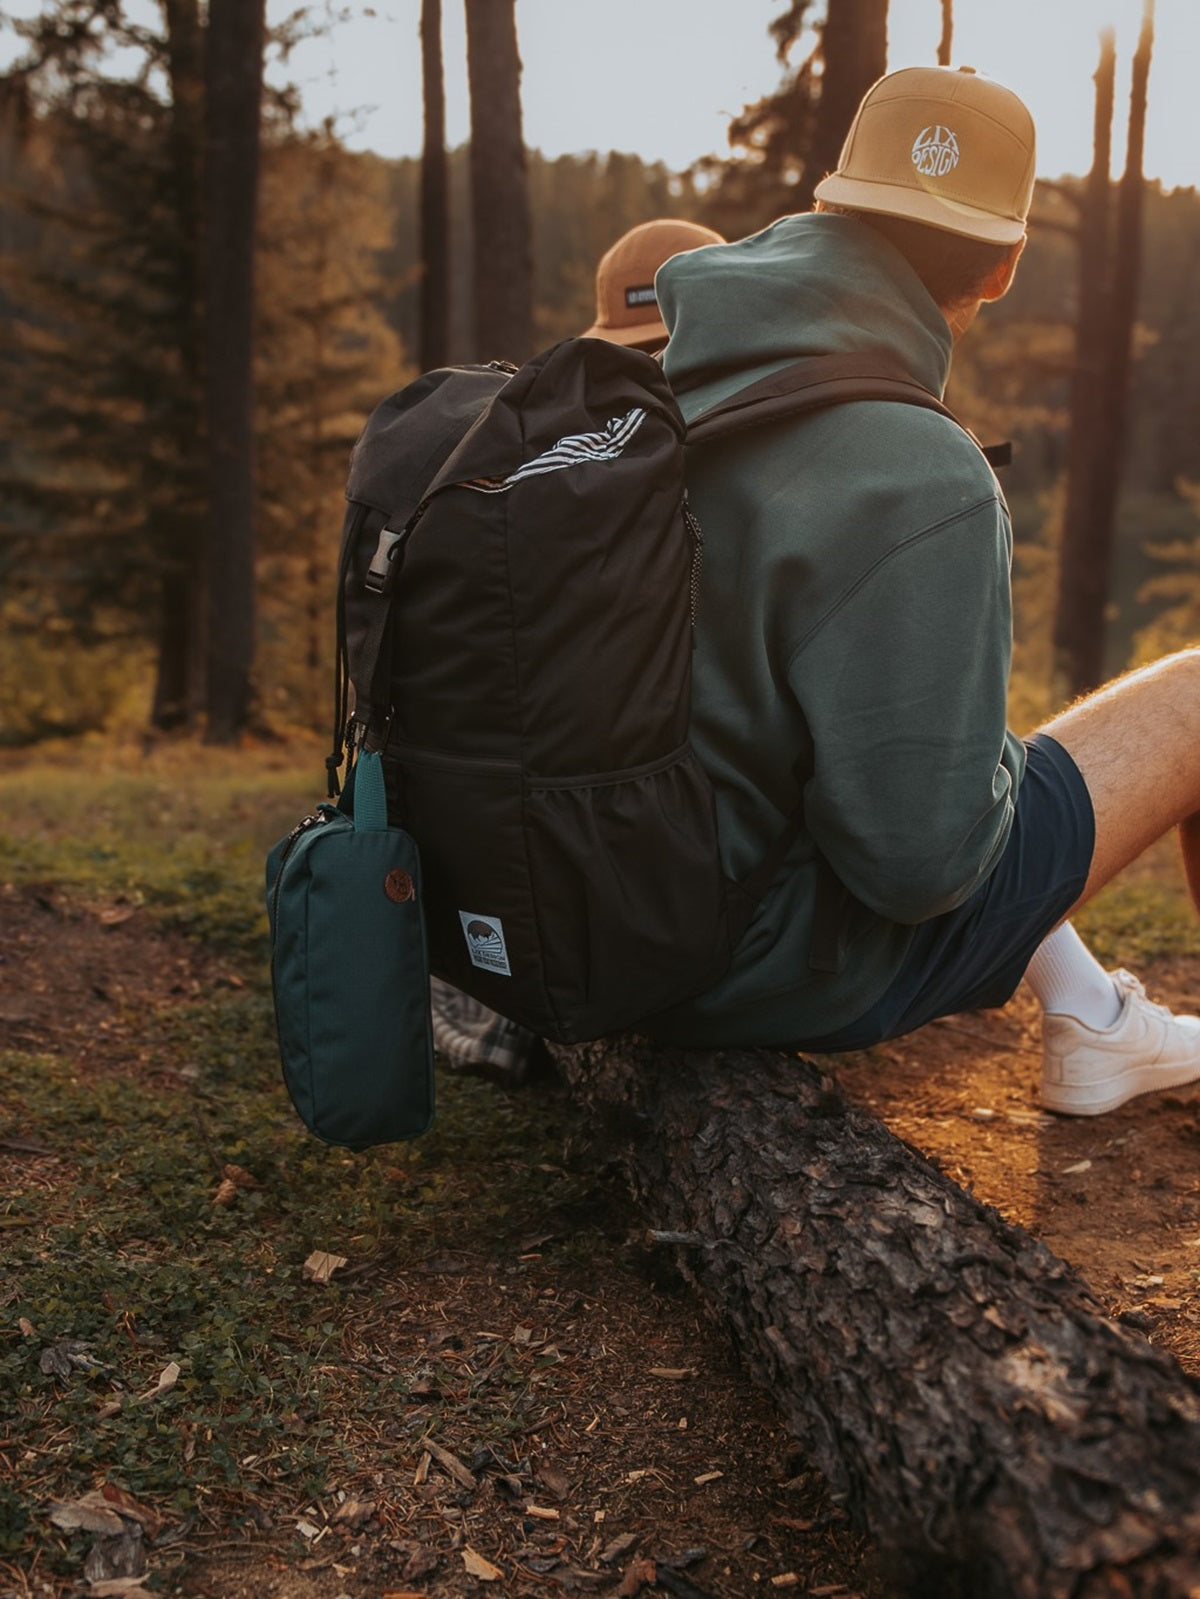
[138,1072]
[104,519]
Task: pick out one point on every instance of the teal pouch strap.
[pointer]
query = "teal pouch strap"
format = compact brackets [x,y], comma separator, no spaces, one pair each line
[370,794]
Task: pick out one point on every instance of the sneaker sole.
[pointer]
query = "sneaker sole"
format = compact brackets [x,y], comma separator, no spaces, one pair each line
[1114,1091]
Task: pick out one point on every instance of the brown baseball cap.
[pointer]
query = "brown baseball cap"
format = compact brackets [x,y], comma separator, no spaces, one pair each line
[943,146]
[626,305]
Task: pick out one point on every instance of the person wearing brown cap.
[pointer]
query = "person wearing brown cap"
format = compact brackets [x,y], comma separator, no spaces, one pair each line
[855,633]
[472,1037]
[626,306]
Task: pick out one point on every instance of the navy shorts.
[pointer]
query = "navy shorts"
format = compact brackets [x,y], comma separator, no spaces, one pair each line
[974,956]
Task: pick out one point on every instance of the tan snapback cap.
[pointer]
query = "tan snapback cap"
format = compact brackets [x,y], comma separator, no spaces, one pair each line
[626,305]
[943,146]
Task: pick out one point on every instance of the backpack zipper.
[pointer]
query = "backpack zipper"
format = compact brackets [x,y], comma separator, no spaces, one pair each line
[697,561]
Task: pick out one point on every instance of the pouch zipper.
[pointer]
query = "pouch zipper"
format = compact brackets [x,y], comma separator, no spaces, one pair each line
[315,819]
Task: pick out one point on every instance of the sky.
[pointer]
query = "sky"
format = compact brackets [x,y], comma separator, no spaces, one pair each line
[662,78]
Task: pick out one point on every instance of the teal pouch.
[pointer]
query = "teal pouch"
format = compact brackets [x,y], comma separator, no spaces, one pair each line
[350,970]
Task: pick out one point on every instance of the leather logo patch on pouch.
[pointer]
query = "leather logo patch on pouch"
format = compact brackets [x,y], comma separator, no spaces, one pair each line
[399,886]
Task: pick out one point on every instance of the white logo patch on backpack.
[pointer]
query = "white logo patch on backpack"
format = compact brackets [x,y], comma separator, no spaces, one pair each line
[576,449]
[485,942]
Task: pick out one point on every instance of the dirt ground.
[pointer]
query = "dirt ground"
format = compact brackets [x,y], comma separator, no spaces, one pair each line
[666,1471]
[1118,1195]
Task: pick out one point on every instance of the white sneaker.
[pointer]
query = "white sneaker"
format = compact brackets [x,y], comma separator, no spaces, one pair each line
[1088,1070]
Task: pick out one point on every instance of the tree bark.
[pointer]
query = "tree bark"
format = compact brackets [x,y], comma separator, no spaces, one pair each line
[234,64]
[435,211]
[1108,283]
[959,1386]
[854,55]
[501,215]
[945,47]
[179,679]
[1082,584]
[1118,340]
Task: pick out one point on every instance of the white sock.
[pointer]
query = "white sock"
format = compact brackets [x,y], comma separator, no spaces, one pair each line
[1069,980]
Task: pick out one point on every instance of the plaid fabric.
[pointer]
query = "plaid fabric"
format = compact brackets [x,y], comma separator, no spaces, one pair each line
[474,1039]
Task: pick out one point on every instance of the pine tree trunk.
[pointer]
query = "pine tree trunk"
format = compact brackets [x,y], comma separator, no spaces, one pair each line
[1108,284]
[435,212]
[170,707]
[854,51]
[179,679]
[234,93]
[501,215]
[1082,585]
[960,1388]
[945,49]
[1119,333]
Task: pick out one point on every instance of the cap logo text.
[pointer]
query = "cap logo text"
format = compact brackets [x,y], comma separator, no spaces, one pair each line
[641,294]
[935,152]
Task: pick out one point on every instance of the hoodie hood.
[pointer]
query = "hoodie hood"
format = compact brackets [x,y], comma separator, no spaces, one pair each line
[814,284]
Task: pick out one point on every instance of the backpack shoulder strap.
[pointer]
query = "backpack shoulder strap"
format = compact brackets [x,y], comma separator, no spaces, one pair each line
[815,383]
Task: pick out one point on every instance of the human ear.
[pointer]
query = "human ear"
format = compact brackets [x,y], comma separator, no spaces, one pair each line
[999,280]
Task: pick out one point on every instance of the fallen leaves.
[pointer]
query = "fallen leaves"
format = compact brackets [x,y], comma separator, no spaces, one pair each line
[353,1512]
[451,1463]
[477,1566]
[233,1180]
[116,915]
[116,1562]
[620,1545]
[104,1509]
[67,1355]
[167,1379]
[638,1575]
[89,1514]
[321,1265]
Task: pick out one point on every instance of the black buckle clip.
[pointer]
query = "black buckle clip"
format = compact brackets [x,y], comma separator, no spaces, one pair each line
[384,565]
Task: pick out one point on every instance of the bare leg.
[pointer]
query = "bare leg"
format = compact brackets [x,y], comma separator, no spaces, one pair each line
[1189,844]
[1137,745]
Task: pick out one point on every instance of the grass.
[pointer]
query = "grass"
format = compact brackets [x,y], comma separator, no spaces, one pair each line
[182,831]
[1144,915]
[115,1260]
[116,1263]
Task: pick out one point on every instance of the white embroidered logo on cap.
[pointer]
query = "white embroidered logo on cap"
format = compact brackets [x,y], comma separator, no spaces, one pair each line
[935,152]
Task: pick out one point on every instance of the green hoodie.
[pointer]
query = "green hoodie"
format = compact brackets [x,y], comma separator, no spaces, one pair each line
[855,628]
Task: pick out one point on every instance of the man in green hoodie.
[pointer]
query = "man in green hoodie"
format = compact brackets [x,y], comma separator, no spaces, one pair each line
[855,634]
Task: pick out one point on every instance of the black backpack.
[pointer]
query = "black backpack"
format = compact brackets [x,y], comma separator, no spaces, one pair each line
[516,606]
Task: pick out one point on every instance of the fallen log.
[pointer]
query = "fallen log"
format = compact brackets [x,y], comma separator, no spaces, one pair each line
[959,1386]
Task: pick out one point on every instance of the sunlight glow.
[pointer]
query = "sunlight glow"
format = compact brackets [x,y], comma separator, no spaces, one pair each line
[663,77]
